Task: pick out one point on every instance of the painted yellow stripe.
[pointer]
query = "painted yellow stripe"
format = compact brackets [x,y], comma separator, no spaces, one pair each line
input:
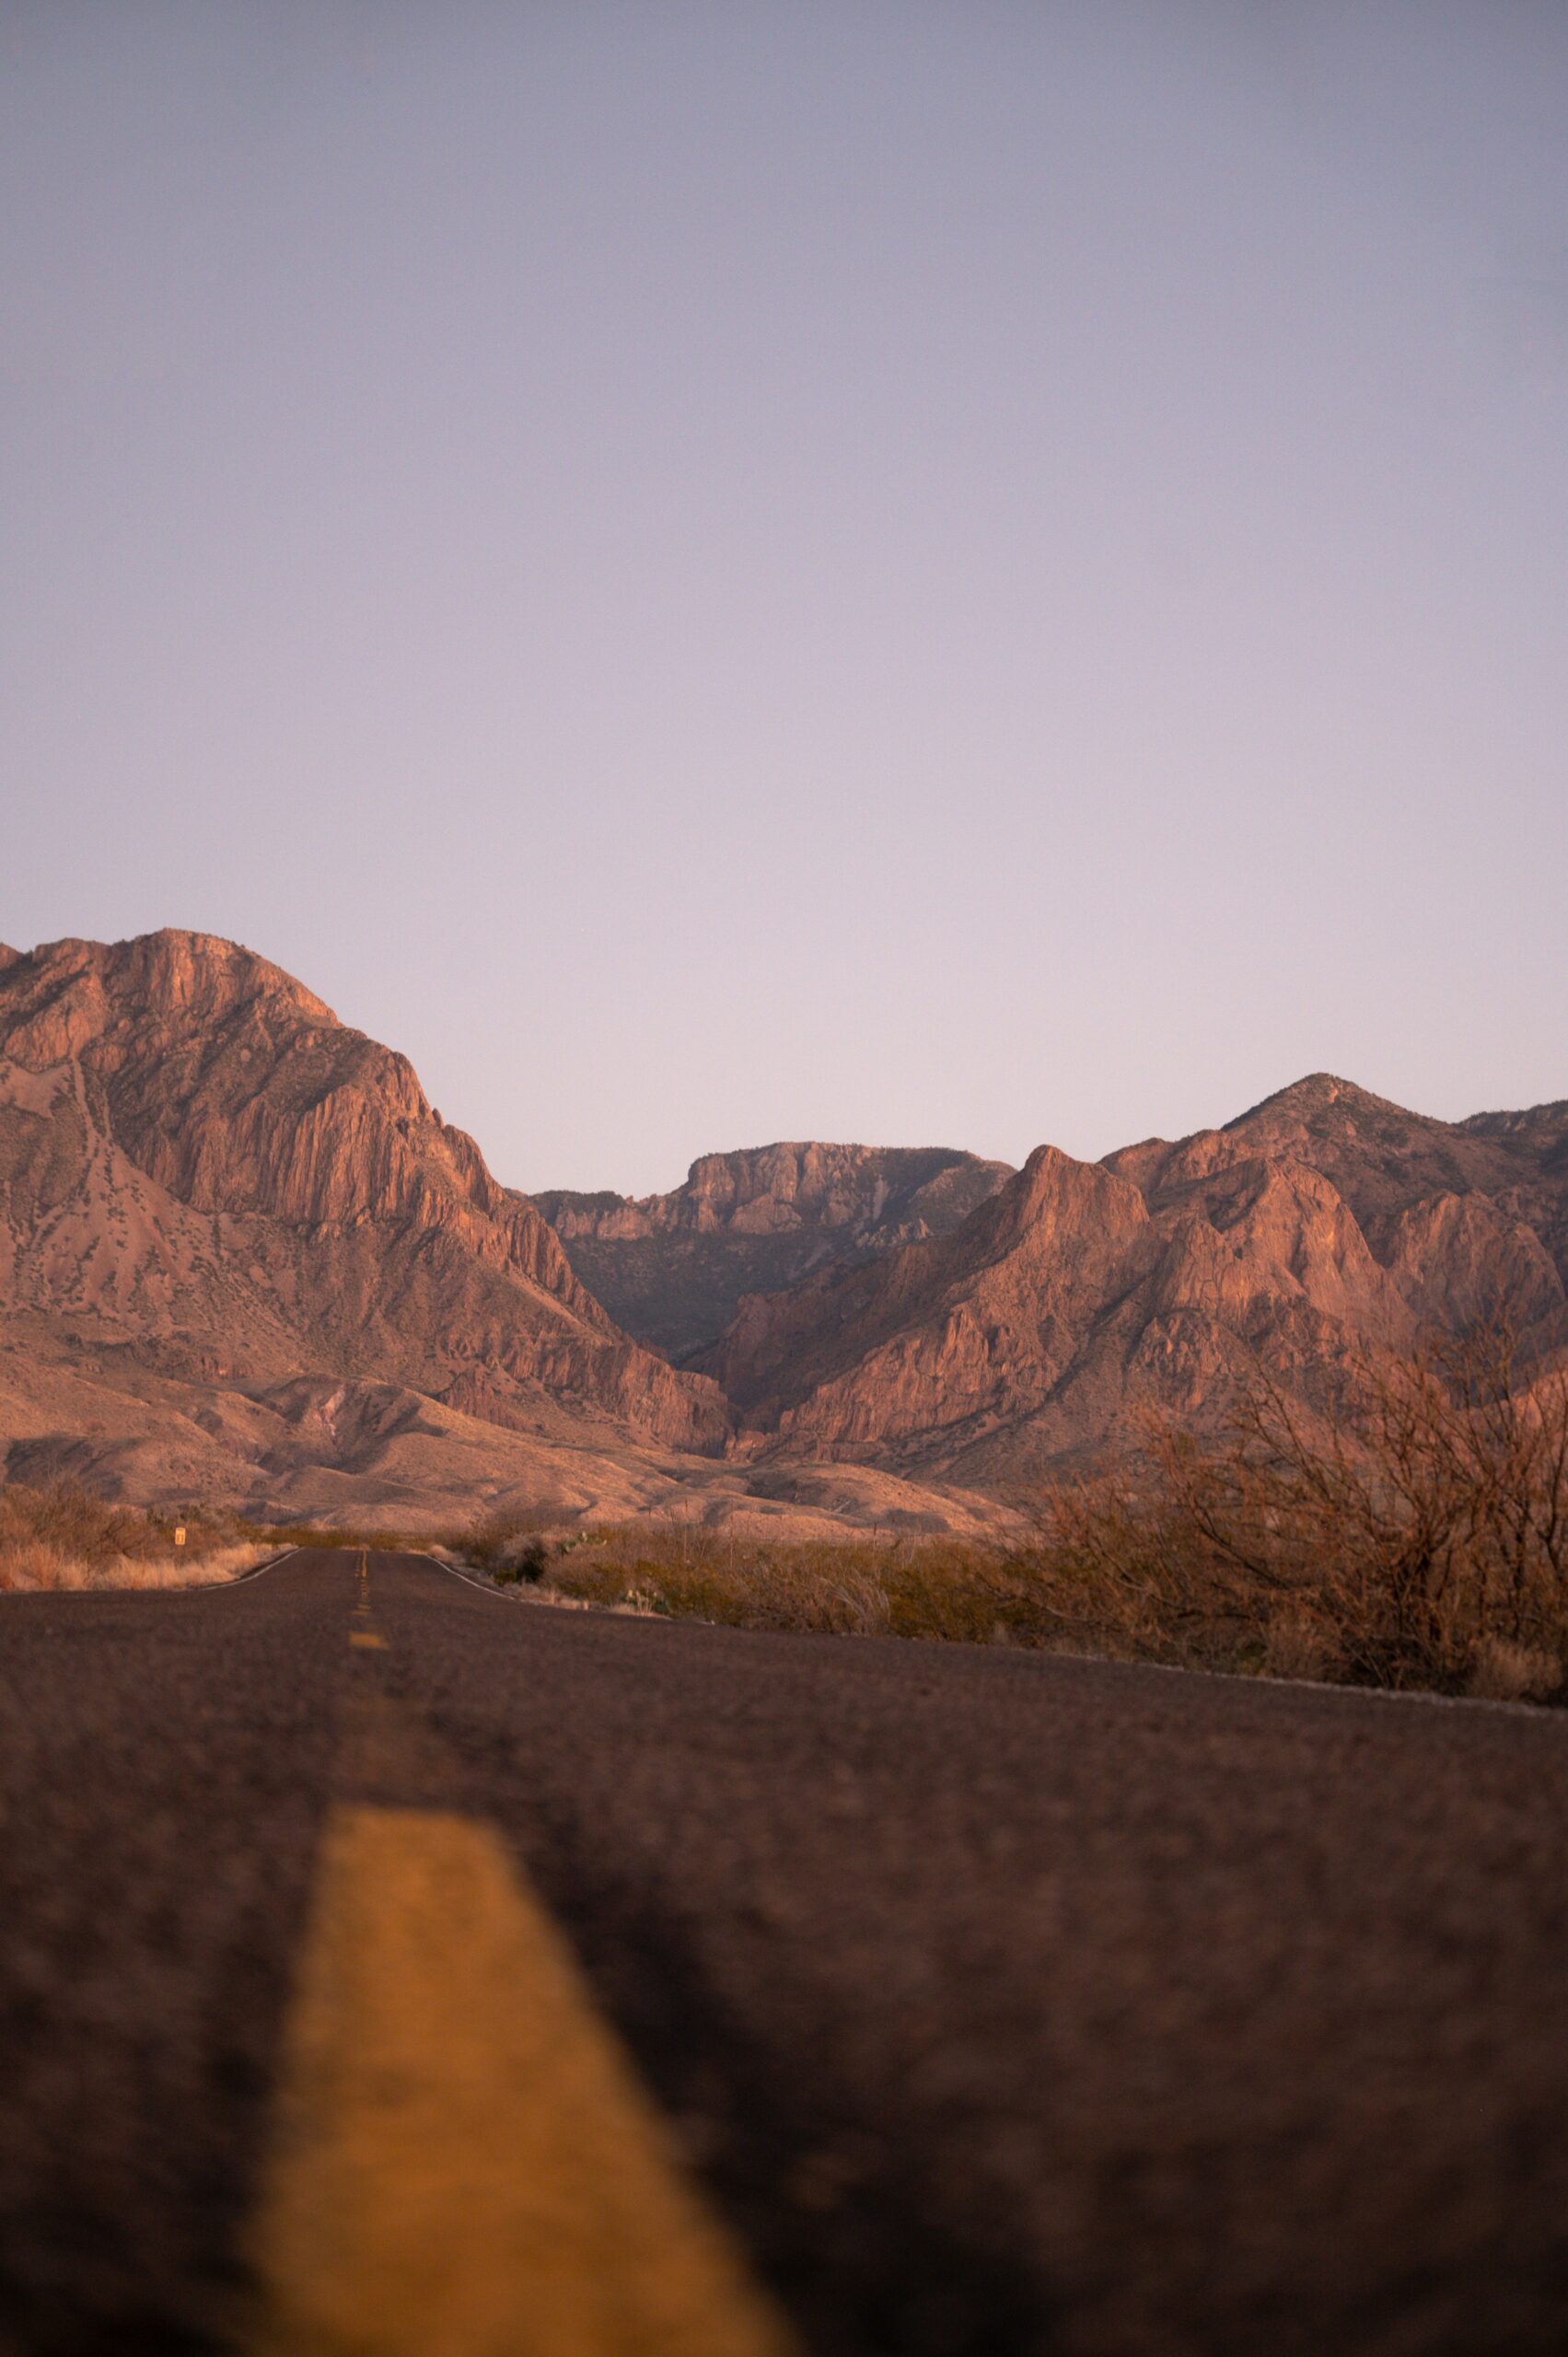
[366,1637]
[466,2164]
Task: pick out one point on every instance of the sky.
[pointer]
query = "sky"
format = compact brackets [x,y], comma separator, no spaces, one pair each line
[936,574]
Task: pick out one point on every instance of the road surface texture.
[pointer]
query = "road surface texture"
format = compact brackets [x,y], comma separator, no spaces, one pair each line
[910,1997]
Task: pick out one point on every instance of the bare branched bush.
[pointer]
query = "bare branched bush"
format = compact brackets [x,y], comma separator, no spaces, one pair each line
[1401,1544]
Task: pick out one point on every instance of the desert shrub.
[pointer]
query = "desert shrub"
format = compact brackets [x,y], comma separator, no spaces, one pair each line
[1503,1672]
[280,1535]
[918,1587]
[209,1568]
[590,1578]
[62,1537]
[512,1545]
[1419,1539]
[77,1525]
[523,1559]
[27,1563]
[909,1587]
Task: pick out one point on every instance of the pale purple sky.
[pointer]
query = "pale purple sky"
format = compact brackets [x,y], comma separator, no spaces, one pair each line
[937,574]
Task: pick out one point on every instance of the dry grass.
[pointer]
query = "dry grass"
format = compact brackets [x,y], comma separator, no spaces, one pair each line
[941,1588]
[276,1536]
[64,1537]
[29,1569]
[1422,1543]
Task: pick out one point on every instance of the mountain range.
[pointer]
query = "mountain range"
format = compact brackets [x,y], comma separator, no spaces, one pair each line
[673,1268]
[242,1259]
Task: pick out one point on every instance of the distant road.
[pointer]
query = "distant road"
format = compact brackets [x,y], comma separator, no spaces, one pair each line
[388,1966]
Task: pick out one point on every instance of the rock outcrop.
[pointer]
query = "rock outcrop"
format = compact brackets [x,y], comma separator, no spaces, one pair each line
[673,1268]
[240,1256]
[1323,1226]
[202,1170]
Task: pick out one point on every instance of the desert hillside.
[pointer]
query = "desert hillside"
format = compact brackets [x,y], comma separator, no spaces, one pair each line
[243,1262]
[242,1257]
[1322,1223]
[204,1174]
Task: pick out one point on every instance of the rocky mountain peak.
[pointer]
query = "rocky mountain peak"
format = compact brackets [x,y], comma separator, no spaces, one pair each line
[1318,1094]
[238,1096]
[1323,1224]
[1054,1192]
[207,1178]
[58,998]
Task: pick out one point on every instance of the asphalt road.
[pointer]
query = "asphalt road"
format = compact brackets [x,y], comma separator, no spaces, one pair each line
[995,2003]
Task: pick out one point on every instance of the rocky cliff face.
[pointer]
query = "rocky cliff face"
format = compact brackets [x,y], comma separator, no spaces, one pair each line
[1324,1224]
[200,1167]
[239,1253]
[673,1268]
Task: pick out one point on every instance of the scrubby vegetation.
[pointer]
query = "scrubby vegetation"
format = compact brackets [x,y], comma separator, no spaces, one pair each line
[278,1536]
[1418,1540]
[510,1547]
[62,1537]
[925,1587]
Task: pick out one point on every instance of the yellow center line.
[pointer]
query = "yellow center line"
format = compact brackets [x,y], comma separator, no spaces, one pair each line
[364,1638]
[465,2162]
